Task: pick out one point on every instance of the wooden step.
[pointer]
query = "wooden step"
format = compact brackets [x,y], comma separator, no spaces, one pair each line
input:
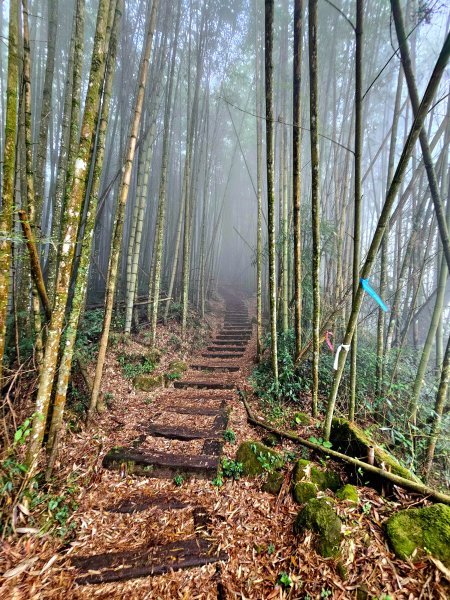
[141,502]
[182,433]
[227,348]
[216,368]
[203,385]
[233,336]
[194,410]
[239,343]
[146,561]
[161,464]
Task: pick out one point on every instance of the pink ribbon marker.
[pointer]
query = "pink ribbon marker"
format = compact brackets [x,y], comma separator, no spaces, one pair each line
[327,339]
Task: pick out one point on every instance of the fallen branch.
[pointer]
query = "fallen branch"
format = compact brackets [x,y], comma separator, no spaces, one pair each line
[36,270]
[396,479]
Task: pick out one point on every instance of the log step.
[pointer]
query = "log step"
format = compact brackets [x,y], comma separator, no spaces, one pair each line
[227,343]
[228,348]
[203,385]
[182,433]
[194,410]
[143,502]
[238,337]
[222,355]
[161,464]
[146,561]
[215,368]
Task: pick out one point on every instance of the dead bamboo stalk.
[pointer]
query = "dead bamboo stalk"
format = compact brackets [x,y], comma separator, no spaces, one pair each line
[407,484]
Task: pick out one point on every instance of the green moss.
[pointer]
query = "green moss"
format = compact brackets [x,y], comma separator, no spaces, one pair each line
[304,491]
[348,492]
[147,383]
[178,366]
[352,440]
[318,480]
[154,356]
[271,440]
[256,458]
[301,418]
[318,516]
[425,529]
[273,483]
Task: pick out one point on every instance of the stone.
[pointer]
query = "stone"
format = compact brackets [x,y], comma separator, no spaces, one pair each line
[148,383]
[348,492]
[352,440]
[154,356]
[301,418]
[426,530]
[305,472]
[271,440]
[273,483]
[256,458]
[319,516]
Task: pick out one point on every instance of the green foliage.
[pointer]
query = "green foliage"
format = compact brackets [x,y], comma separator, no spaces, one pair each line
[88,333]
[178,480]
[284,580]
[231,468]
[134,365]
[325,593]
[175,311]
[268,460]
[270,549]
[217,481]
[320,442]
[229,436]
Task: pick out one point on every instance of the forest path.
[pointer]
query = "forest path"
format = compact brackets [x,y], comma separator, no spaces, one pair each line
[182,439]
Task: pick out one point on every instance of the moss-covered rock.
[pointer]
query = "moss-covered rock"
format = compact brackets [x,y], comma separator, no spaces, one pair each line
[304,491]
[154,356]
[271,440]
[273,483]
[256,458]
[301,418]
[319,516]
[425,529]
[148,383]
[178,366]
[348,492]
[305,472]
[352,440]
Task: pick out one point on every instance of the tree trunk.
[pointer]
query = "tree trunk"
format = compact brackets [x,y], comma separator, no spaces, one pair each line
[315,196]
[121,205]
[73,210]
[384,219]
[268,61]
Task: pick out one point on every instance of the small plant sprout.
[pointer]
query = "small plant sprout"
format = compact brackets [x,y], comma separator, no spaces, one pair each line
[229,436]
[284,580]
[178,480]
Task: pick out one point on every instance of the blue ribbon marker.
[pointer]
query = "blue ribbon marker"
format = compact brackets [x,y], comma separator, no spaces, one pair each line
[375,296]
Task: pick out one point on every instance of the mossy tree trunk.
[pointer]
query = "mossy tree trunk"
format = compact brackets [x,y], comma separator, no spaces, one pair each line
[315,196]
[121,205]
[73,209]
[8,176]
[268,63]
[358,191]
[384,219]
[159,241]
[81,281]
[296,173]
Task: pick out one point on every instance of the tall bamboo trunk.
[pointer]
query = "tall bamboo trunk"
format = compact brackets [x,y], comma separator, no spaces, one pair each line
[81,281]
[121,205]
[73,211]
[296,173]
[384,219]
[8,175]
[315,197]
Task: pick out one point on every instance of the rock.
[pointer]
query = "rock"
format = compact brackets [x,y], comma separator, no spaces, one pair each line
[301,418]
[425,529]
[273,483]
[178,366]
[147,383]
[304,491]
[352,440]
[306,473]
[256,458]
[319,516]
[348,492]
[154,356]
[271,440]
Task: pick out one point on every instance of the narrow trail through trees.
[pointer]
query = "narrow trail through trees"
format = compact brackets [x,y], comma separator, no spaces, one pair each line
[186,424]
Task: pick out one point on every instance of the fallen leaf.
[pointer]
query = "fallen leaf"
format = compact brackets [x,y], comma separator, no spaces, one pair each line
[21,567]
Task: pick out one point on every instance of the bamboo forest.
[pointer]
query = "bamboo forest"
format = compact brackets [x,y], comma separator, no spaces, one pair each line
[224,299]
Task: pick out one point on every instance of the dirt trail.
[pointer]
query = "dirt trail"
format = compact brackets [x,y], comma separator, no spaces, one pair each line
[182,438]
